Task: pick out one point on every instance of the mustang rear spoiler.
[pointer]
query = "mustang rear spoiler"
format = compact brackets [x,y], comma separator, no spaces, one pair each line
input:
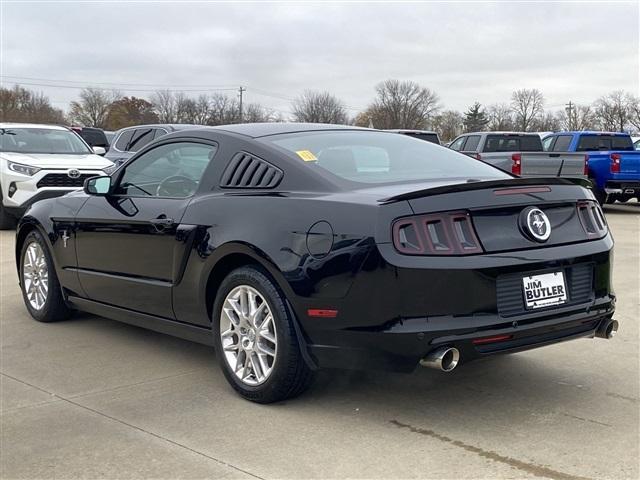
[479,185]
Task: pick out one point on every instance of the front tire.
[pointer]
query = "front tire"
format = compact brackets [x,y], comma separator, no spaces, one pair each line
[255,338]
[39,283]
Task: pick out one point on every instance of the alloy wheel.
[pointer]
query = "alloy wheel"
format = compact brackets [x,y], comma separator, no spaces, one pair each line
[35,275]
[248,335]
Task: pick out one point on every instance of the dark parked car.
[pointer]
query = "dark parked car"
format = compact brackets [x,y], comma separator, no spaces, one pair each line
[95,137]
[129,140]
[292,247]
[426,135]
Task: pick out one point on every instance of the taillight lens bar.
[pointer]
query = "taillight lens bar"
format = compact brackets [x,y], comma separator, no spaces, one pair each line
[449,233]
[516,164]
[592,219]
[586,165]
[615,163]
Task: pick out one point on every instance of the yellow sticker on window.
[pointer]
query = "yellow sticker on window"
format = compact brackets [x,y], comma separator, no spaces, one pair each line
[306,155]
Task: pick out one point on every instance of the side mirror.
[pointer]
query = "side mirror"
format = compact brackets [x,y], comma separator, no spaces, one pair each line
[97,185]
[99,150]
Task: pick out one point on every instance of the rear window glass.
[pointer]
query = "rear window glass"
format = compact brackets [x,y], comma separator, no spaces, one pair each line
[604,142]
[429,137]
[95,138]
[140,138]
[379,157]
[513,143]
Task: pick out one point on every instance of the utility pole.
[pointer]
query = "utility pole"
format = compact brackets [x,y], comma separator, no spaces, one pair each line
[570,106]
[241,90]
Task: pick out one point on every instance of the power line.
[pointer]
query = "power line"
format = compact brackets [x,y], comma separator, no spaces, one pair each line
[118,84]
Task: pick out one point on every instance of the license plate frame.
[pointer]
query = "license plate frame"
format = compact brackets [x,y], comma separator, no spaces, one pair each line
[542,290]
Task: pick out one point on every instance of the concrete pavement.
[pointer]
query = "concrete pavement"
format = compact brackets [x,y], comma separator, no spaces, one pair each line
[93,398]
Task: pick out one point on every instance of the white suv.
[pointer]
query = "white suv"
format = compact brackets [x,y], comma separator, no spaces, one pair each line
[41,161]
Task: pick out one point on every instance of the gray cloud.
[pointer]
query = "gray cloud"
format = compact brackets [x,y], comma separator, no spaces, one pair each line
[463,51]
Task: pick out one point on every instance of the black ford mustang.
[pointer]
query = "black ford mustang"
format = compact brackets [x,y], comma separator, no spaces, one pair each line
[291,247]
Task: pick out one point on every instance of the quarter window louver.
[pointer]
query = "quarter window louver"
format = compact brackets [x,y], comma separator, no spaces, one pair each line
[248,171]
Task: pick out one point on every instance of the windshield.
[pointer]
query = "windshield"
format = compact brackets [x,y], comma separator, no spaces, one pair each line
[604,142]
[381,157]
[41,140]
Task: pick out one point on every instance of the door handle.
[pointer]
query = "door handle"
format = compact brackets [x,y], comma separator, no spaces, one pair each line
[162,221]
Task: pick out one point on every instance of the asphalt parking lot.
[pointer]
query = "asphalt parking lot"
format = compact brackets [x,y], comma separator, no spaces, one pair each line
[94,398]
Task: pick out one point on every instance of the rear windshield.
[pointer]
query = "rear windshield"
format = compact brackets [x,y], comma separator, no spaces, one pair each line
[95,138]
[380,157]
[429,137]
[604,142]
[41,140]
[513,143]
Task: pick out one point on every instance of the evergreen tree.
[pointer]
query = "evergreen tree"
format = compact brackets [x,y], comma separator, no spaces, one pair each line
[475,119]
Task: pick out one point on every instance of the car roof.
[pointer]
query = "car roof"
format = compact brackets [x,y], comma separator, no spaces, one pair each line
[596,132]
[169,126]
[501,133]
[408,130]
[255,130]
[32,125]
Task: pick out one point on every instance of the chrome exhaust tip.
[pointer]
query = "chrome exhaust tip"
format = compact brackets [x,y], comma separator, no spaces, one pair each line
[444,359]
[608,329]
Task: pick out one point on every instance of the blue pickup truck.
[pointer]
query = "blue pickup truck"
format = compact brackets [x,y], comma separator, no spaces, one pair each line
[612,161]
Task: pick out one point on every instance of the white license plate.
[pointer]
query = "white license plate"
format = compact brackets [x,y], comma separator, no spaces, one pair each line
[544,290]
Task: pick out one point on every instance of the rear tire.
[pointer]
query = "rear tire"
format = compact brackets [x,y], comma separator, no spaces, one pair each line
[39,283]
[255,339]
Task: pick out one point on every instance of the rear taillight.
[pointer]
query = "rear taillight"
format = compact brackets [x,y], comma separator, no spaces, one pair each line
[516,164]
[449,233]
[615,162]
[592,219]
[586,165]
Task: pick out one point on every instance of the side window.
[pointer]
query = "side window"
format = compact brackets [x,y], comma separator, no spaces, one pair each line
[472,143]
[160,132]
[172,170]
[140,138]
[562,143]
[457,144]
[123,140]
[547,143]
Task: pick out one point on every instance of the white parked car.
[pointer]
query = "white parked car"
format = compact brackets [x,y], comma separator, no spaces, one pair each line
[41,161]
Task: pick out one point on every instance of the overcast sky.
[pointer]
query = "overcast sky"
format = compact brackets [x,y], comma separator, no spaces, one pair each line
[463,51]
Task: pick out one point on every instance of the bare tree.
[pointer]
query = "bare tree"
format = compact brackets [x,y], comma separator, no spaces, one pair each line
[633,110]
[224,110]
[92,109]
[548,122]
[580,117]
[612,111]
[449,124]
[319,107]
[500,117]
[165,106]
[21,105]
[256,113]
[403,104]
[527,105]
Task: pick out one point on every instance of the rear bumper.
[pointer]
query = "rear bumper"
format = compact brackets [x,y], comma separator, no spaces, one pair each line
[401,347]
[393,316]
[622,187]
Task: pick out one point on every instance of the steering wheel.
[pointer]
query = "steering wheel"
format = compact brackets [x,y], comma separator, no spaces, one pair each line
[176,186]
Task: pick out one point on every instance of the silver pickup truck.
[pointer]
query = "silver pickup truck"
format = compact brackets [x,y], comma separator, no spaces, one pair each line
[521,154]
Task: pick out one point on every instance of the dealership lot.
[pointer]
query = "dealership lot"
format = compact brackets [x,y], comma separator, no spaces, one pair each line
[95,398]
